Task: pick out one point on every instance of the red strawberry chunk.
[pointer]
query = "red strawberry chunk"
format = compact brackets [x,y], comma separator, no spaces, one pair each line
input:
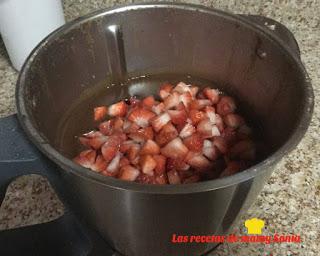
[93,139]
[118,124]
[175,149]
[159,121]
[221,144]
[226,105]
[192,179]
[133,152]
[124,161]
[199,104]
[196,116]
[126,145]
[178,117]
[100,113]
[219,122]
[161,179]
[172,100]
[100,164]
[141,116]
[197,160]
[166,134]
[244,149]
[211,94]
[232,168]
[182,88]
[129,173]
[118,109]
[138,137]
[86,158]
[233,120]
[210,113]
[186,99]
[150,147]
[229,135]
[207,129]
[158,109]
[165,90]
[187,131]
[148,102]
[194,142]
[173,177]
[161,164]
[111,147]
[134,101]
[177,164]
[194,90]
[114,165]
[106,127]
[148,164]
[209,150]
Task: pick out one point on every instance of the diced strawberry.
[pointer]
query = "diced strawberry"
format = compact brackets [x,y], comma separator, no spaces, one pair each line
[100,164]
[233,120]
[209,150]
[118,124]
[124,161]
[197,160]
[111,147]
[173,177]
[178,117]
[187,131]
[114,165]
[161,164]
[134,101]
[211,94]
[221,144]
[161,179]
[130,127]
[201,96]
[199,104]
[135,162]
[133,152]
[210,113]
[148,164]
[93,139]
[193,179]
[229,135]
[129,173]
[141,116]
[177,164]
[207,129]
[194,90]
[148,102]
[226,105]
[244,149]
[106,127]
[165,90]
[118,109]
[146,179]
[142,134]
[126,145]
[186,98]
[196,116]
[219,123]
[232,168]
[184,174]
[194,142]
[166,134]
[175,149]
[159,121]
[159,108]
[86,158]
[172,100]
[182,88]
[100,113]
[148,131]
[150,147]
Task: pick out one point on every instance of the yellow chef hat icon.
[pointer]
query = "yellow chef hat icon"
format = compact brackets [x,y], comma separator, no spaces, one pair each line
[254,226]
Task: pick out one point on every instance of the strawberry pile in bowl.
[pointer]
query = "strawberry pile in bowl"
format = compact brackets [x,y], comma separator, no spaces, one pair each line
[186,136]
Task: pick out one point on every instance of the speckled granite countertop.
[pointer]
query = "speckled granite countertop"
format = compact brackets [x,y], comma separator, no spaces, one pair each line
[289,203]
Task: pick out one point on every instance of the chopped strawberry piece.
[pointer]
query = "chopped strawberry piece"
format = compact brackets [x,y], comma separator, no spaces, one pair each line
[146,179]
[175,149]
[114,165]
[100,113]
[106,127]
[148,164]
[86,158]
[131,127]
[244,149]
[209,150]
[126,145]
[219,122]
[150,147]
[111,147]
[199,104]
[193,179]
[221,144]
[211,94]
[118,109]
[134,101]
[166,134]
[233,120]
[232,168]
[194,142]
[159,108]
[161,179]
[165,90]
[141,116]
[124,161]
[118,124]
[229,135]
[210,113]
[133,152]
[93,139]
[207,129]
[129,173]
[148,102]
[100,164]
[226,105]
[148,132]
[142,134]
[196,116]
[177,164]
[187,131]
[186,99]
[194,90]
[172,100]
[173,177]
[161,164]
[182,88]
[197,160]
[178,117]
[159,121]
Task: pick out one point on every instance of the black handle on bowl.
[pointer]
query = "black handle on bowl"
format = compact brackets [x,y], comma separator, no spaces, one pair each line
[281,31]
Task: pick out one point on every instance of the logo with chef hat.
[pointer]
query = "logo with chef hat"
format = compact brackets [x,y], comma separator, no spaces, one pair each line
[254,226]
